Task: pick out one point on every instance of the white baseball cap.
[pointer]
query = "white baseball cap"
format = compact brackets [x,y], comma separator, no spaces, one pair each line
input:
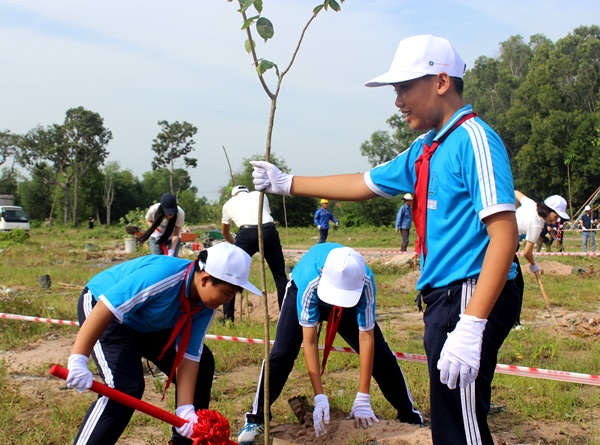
[420,56]
[239,188]
[408,197]
[343,277]
[230,263]
[558,204]
[587,208]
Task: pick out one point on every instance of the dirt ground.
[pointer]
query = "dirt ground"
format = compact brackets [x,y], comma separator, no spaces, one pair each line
[341,432]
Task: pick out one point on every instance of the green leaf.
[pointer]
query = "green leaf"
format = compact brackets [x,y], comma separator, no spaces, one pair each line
[334,5]
[264,27]
[248,22]
[258,5]
[245,5]
[249,46]
[317,9]
[263,66]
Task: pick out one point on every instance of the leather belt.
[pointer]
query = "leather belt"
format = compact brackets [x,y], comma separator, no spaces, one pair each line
[255,226]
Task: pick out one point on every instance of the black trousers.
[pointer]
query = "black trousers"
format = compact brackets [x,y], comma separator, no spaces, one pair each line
[459,416]
[323,235]
[288,339]
[118,355]
[247,239]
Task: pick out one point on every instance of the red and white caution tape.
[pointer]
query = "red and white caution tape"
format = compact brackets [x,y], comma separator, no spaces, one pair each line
[562,253]
[39,319]
[522,371]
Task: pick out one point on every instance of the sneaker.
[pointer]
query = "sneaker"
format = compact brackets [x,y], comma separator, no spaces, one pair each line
[249,432]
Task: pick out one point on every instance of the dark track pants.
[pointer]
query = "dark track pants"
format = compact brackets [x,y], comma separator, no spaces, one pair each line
[247,239]
[459,416]
[323,233]
[288,339]
[118,355]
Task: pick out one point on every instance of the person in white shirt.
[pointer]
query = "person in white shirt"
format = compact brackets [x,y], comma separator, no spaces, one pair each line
[242,209]
[531,216]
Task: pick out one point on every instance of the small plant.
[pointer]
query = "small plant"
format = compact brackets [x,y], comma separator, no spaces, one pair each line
[13,238]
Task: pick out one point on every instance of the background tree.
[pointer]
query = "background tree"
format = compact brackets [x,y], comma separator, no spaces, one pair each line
[384,145]
[36,197]
[70,149]
[108,188]
[171,146]
[46,150]
[9,151]
[87,138]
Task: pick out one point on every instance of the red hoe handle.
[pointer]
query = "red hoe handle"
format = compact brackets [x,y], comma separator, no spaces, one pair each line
[125,399]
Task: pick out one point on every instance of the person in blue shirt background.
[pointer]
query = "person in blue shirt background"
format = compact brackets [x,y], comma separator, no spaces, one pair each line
[404,220]
[588,223]
[156,307]
[322,218]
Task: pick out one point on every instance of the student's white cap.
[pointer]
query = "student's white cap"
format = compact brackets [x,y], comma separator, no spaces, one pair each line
[420,56]
[230,263]
[239,188]
[558,204]
[343,277]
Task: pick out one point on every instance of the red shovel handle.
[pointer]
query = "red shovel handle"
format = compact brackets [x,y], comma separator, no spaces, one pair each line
[125,399]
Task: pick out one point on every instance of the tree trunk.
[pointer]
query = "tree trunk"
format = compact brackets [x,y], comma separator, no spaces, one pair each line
[75,189]
[67,202]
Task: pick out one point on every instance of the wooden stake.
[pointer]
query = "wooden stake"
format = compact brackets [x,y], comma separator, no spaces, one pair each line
[545,295]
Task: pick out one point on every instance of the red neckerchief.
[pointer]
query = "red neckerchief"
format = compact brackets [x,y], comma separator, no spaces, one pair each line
[183,326]
[332,327]
[422,185]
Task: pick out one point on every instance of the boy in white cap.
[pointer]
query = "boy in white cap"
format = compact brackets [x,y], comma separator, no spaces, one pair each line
[331,282]
[158,308]
[588,224]
[464,212]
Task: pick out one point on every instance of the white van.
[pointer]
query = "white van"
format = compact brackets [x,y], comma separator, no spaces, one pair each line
[13,217]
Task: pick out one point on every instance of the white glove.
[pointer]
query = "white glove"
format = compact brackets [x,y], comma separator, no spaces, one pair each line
[321,414]
[188,413]
[361,412]
[319,227]
[534,267]
[80,377]
[171,252]
[269,178]
[337,223]
[156,234]
[461,353]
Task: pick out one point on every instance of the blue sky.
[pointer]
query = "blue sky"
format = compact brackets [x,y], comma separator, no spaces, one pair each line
[138,62]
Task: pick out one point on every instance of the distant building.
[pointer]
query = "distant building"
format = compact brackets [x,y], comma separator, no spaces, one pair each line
[7,199]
